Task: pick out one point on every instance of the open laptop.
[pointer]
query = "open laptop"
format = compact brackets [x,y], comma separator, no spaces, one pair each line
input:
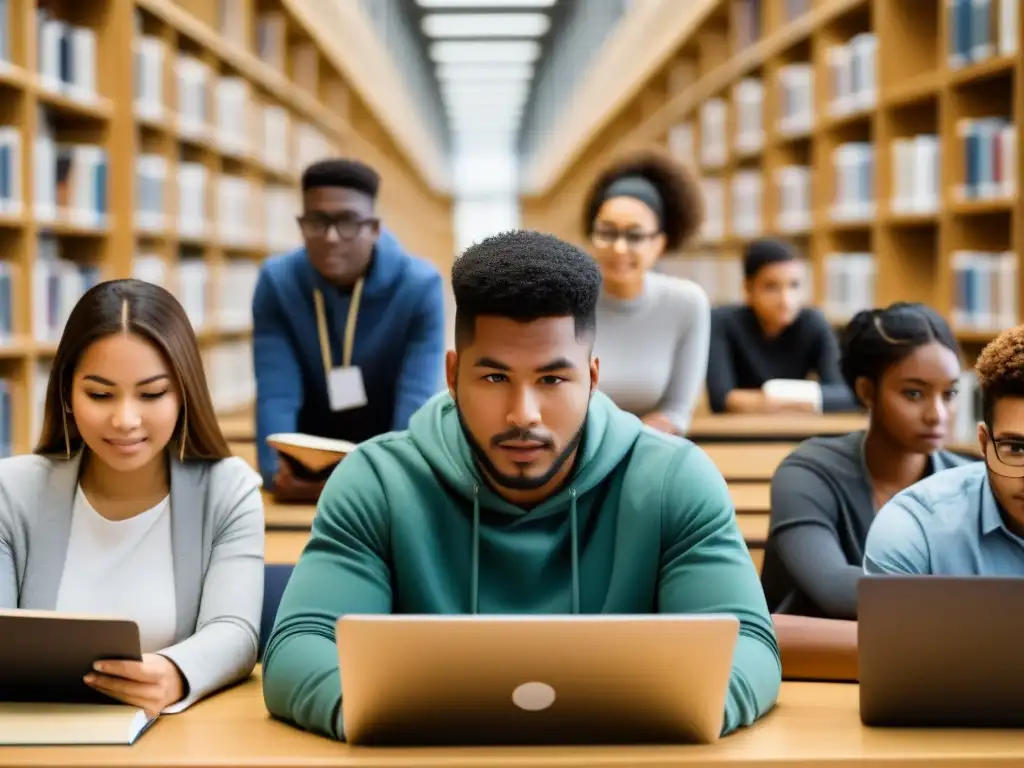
[941,651]
[472,680]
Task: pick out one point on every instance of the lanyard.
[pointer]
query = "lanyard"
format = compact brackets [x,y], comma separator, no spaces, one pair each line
[350,327]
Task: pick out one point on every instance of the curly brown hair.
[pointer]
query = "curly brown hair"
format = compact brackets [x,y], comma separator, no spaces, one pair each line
[676,183]
[1000,370]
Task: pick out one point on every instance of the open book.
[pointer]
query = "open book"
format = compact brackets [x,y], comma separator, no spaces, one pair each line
[314,453]
[43,698]
[39,724]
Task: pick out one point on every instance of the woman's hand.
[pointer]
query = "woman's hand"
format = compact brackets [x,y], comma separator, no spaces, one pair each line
[151,684]
[660,422]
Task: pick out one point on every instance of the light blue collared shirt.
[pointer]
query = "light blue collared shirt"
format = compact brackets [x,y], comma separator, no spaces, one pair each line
[947,524]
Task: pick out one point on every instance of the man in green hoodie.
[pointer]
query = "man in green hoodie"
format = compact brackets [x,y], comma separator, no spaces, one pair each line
[520,490]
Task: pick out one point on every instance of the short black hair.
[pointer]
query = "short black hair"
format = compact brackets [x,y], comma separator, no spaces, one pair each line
[877,339]
[1000,370]
[680,192]
[525,276]
[344,173]
[764,251]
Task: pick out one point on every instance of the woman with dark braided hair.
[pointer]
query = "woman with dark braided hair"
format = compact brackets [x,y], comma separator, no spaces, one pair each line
[903,364]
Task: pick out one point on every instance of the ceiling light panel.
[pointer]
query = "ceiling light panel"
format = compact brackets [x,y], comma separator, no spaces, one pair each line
[506,52]
[460,73]
[473,4]
[450,25]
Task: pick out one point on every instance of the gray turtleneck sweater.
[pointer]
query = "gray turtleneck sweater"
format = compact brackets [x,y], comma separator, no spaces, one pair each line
[653,350]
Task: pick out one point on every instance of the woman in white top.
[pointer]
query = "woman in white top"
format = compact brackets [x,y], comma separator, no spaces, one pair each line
[653,329]
[132,505]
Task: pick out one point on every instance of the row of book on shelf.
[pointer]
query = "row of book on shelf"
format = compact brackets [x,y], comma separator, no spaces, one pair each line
[986,284]
[71,185]
[216,298]
[989,159]
[229,373]
[981,29]
[222,109]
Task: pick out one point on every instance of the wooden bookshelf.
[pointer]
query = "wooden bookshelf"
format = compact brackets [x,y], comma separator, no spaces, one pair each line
[916,242]
[269,57]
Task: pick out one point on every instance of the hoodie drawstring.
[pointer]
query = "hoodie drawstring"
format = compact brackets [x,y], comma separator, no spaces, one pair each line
[574,537]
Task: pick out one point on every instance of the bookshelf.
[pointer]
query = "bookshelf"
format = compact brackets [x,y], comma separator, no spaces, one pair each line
[881,141]
[164,139]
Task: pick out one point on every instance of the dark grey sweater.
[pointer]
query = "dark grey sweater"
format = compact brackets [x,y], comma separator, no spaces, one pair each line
[742,357]
[822,507]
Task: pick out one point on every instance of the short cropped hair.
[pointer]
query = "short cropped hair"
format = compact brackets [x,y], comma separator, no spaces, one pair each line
[681,197]
[343,173]
[1000,370]
[877,339]
[764,251]
[525,276]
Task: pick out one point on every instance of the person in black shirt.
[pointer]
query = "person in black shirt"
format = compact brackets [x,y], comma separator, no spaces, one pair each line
[903,363]
[773,337]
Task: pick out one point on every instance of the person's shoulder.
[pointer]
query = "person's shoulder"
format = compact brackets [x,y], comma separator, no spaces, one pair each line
[812,320]
[283,268]
[727,315]
[828,453]
[24,473]
[943,493]
[678,291]
[223,482]
[673,459]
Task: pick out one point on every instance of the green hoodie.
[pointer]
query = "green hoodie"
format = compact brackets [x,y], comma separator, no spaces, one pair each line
[407,525]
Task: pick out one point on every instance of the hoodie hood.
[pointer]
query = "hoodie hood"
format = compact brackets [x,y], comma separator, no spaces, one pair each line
[437,433]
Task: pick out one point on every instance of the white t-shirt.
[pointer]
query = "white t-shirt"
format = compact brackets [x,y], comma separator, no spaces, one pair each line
[122,568]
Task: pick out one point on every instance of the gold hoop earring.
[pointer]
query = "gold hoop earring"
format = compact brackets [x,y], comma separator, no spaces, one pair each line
[184,431]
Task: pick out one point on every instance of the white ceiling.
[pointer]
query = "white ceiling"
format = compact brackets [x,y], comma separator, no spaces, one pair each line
[485,55]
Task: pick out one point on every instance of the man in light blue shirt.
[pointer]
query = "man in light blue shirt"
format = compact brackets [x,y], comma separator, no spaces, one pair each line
[967,521]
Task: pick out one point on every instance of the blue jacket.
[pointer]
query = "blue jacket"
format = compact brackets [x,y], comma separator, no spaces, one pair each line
[398,345]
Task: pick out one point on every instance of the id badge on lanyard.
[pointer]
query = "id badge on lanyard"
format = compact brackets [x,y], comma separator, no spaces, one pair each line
[345,388]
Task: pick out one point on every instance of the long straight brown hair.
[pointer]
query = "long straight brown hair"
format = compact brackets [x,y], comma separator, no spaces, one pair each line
[148,311]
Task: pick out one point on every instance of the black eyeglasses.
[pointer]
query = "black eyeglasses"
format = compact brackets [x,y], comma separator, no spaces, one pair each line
[1005,457]
[607,238]
[315,226]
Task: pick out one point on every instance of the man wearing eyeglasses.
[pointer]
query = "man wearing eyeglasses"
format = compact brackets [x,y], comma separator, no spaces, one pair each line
[967,521]
[348,332]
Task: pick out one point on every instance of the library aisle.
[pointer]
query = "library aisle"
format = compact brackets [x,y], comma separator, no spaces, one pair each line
[164,139]
[879,137]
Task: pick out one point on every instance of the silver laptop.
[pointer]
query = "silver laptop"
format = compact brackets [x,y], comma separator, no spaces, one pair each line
[473,680]
[941,651]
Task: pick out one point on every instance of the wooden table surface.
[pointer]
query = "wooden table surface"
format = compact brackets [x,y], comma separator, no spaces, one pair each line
[814,724]
[767,426]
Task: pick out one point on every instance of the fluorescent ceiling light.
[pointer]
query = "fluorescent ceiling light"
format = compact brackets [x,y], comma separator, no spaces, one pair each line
[485,3]
[456,73]
[506,52]
[485,24]
[494,92]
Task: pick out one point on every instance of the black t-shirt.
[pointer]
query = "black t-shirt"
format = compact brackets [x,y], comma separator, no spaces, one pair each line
[742,357]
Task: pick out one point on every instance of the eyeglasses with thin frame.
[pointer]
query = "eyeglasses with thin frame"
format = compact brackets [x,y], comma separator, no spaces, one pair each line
[1005,456]
[607,238]
[316,226]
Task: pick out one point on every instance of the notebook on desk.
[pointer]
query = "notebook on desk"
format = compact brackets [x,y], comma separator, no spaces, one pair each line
[43,698]
[473,680]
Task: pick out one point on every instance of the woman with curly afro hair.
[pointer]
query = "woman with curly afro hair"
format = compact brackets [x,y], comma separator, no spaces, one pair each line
[653,329]
[967,521]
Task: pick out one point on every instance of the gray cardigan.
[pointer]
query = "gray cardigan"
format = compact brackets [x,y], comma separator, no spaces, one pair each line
[217,533]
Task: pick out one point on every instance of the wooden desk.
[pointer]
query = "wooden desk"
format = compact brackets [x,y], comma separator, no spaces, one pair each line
[282,547]
[239,426]
[761,427]
[749,498]
[747,461]
[814,724]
